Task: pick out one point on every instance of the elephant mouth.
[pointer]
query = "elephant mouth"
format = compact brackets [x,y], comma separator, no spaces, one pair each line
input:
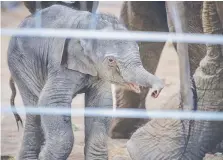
[136,88]
[133,87]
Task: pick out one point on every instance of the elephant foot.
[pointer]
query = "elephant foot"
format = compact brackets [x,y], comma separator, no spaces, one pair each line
[123,128]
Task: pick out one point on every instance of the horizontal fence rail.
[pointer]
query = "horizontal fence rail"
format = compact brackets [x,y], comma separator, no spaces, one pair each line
[121,113]
[117,35]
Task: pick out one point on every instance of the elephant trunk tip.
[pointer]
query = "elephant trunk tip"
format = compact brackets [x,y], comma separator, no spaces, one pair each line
[142,78]
[157,87]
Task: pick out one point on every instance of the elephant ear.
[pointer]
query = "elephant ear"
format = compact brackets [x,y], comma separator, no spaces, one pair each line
[77,56]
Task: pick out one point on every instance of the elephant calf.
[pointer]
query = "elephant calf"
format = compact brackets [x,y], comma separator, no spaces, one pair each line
[49,72]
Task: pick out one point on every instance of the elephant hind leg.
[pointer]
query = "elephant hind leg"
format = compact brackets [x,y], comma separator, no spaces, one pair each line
[33,135]
[29,87]
[33,138]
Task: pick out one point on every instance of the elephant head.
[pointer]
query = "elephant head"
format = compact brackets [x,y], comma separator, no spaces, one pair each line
[112,60]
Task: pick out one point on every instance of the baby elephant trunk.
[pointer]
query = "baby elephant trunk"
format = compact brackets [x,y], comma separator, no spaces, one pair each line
[139,77]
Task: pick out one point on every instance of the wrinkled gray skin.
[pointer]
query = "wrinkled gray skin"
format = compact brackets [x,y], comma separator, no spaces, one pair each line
[34,6]
[143,16]
[152,16]
[171,139]
[49,72]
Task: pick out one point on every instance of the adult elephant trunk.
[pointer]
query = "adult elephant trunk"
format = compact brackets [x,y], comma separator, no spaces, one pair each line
[174,139]
[209,83]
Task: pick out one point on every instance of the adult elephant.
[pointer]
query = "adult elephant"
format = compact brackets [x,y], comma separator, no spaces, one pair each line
[155,16]
[175,139]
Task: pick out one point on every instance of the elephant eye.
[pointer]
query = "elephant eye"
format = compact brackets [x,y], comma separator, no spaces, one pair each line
[111,61]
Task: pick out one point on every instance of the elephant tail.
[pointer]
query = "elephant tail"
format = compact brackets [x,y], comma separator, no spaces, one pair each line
[12,102]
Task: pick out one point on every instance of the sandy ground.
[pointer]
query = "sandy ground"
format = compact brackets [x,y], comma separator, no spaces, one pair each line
[11,138]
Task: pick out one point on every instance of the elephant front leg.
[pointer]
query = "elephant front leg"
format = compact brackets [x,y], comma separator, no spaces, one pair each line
[57,129]
[96,129]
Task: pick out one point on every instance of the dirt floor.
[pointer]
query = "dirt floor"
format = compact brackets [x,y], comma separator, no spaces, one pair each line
[11,138]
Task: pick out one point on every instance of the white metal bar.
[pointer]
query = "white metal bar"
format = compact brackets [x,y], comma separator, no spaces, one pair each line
[37,17]
[123,113]
[117,35]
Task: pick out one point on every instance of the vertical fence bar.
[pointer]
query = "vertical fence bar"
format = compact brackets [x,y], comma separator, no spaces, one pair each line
[38,14]
[177,14]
